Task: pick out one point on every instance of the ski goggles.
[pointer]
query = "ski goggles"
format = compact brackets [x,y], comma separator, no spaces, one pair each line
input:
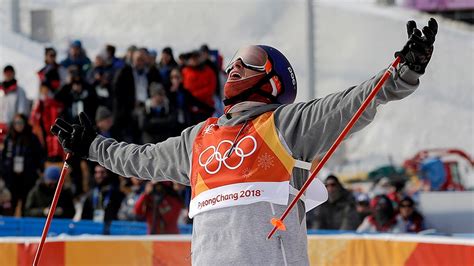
[252,57]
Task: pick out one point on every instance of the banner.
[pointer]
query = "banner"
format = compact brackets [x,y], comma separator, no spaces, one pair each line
[176,250]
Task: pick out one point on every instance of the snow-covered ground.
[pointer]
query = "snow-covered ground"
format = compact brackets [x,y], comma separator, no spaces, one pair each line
[355,39]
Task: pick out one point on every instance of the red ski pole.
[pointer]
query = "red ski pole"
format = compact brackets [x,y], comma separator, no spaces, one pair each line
[278,223]
[51,211]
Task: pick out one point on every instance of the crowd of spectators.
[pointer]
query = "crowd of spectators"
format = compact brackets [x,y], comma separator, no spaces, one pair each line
[138,98]
[385,209]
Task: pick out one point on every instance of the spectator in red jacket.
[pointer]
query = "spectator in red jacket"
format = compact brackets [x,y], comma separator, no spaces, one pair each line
[200,80]
[45,111]
[161,206]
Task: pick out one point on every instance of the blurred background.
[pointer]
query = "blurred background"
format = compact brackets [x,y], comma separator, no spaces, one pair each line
[412,167]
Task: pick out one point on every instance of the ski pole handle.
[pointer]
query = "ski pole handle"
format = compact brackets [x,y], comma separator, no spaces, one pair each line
[278,223]
[49,218]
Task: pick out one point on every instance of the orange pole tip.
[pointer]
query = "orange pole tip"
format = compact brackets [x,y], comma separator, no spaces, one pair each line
[278,224]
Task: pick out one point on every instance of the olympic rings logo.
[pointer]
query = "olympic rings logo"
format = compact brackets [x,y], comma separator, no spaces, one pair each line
[222,158]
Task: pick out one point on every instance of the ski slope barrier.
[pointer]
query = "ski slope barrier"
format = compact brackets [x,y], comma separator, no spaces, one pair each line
[176,250]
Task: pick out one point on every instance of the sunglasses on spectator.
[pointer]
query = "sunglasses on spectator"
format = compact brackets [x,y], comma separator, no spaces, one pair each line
[252,57]
[18,122]
[330,184]
[406,206]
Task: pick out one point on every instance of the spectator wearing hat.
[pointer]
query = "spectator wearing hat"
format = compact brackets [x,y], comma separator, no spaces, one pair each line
[409,218]
[51,74]
[161,205]
[22,161]
[166,64]
[159,118]
[12,100]
[382,218]
[200,81]
[104,199]
[152,55]
[131,92]
[104,122]
[40,197]
[77,57]
[338,213]
[362,207]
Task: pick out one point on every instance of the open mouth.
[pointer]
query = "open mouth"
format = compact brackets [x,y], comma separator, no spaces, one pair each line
[234,75]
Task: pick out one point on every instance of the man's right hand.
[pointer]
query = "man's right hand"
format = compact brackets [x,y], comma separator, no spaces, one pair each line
[75,138]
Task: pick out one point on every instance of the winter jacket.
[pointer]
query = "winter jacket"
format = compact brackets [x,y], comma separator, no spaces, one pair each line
[161,212]
[201,83]
[52,75]
[413,224]
[76,102]
[43,116]
[181,102]
[41,196]
[339,214]
[127,208]
[12,101]
[238,234]
[189,109]
[82,62]
[159,122]
[107,198]
[124,100]
[165,71]
[27,147]
[370,225]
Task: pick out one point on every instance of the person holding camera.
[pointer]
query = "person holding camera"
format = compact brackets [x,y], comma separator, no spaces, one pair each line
[161,206]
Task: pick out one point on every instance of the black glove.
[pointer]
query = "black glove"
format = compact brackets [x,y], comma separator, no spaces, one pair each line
[417,51]
[75,138]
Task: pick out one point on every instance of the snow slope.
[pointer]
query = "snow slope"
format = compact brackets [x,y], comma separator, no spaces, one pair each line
[354,41]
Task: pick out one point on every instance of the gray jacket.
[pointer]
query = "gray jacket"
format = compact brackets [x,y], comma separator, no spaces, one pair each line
[238,234]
